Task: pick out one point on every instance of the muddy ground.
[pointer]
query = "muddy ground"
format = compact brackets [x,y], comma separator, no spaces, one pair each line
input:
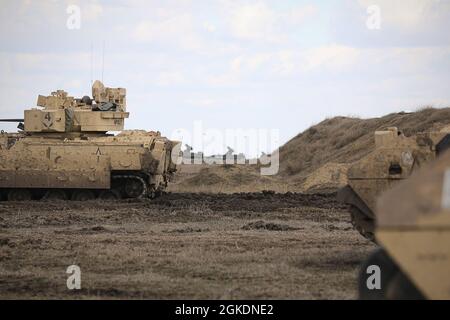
[182,246]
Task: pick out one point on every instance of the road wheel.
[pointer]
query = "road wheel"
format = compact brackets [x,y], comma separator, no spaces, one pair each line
[19,195]
[55,195]
[394,283]
[134,188]
[110,195]
[83,195]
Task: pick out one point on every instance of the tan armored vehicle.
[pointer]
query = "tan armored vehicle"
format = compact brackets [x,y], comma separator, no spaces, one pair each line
[413,229]
[63,151]
[395,158]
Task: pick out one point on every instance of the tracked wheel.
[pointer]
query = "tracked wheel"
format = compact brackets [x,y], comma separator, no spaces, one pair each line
[52,195]
[134,188]
[395,285]
[19,195]
[83,195]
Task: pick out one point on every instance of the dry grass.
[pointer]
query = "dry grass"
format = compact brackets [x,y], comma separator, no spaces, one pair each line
[205,247]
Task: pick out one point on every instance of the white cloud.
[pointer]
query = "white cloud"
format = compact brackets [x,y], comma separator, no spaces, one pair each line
[177,29]
[328,60]
[243,66]
[286,65]
[209,27]
[253,21]
[335,57]
[35,62]
[258,21]
[201,102]
[250,63]
[298,14]
[169,78]
[91,11]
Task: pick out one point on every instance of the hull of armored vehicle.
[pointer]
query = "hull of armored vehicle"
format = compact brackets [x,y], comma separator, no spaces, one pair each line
[413,231]
[394,159]
[132,164]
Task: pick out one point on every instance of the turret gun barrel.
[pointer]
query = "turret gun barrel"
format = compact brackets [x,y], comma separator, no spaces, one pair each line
[12,120]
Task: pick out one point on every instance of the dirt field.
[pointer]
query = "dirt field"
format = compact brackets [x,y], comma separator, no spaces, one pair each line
[239,246]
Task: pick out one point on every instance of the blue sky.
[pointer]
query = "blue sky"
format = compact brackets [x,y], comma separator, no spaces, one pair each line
[231,64]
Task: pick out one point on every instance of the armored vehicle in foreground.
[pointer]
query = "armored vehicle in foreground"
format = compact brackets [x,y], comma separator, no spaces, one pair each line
[63,151]
[395,158]
[413,230]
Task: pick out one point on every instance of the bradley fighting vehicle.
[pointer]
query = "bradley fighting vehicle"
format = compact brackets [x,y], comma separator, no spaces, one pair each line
[395,158]
[413,230]
[63,151]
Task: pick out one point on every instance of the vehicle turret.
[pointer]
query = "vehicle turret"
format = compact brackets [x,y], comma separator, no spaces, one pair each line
[61,113]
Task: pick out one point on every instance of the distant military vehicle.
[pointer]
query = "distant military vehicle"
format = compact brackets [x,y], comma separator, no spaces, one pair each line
[63,151]
[395,157]
[413,229]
